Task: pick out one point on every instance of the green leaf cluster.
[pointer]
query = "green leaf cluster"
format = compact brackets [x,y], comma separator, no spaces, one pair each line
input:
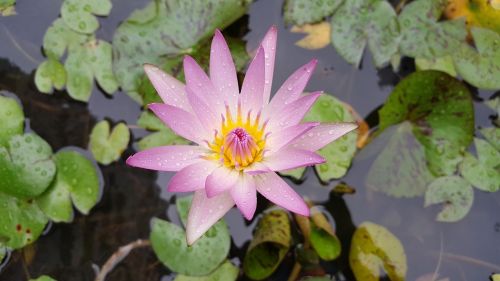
[107,145]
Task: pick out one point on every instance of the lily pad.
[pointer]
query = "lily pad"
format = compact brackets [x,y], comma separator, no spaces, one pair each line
[271,241]
[89,60]
[374,247]
[483,173]
[441,112]
[59,37]
[107,147]
[300,12]
[7,7]
[339,153]
[203,257]
[422,36]
[11,118]
[44,278]
[26,166]
[360,22]
[161,136]
[477,13]
[456,194]
[79,14]
[77,181]
[480,68]
[226,272]
[317,35]
[50,74]
[21,222]
[492,135]
[400,169]
[444,64]
[166,28]
[323,238]
[487,153]
[3,253]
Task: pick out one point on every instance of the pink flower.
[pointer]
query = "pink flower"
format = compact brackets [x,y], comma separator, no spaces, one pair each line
[241,139]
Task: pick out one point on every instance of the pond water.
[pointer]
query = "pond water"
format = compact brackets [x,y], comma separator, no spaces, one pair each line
[465,250]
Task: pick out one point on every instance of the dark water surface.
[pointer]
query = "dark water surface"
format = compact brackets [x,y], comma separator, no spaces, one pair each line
[131,197]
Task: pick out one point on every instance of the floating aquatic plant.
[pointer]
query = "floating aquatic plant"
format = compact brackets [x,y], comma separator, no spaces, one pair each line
[241,138]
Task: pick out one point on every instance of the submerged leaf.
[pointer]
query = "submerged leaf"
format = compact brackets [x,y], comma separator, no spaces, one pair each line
[269,245]
[76,181]
[441,112]
[11,118]
[318,35]
[166,28]
[301,12]
[226,272]
[27,166]
[79,14]
[455,193]
[360,22]
[21,221]
[105,147]
[400,170]
[374,247]
[201,258]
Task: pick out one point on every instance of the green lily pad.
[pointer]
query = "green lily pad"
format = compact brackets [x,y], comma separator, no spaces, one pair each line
[11,118]
[300,12]
[480,68]
[161,136]
[79,14]
[59,37]
[444,64]
[226,272]
[50,74]
[26,166]
[105,147]
[487,153]
[324,242]
[374,247]
[44,278]
[21,222]
[164,29]
[480,175]
[422,36]
[7,7]
[203,257]
[400,169]
[271,242]
[360,22]
[455,193]
[89,60]
[182,204]
[339,153]
[492,135]
[77,181]
[495,277]
[440,109]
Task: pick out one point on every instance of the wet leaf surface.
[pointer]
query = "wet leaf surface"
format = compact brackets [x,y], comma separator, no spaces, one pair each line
[301,12]
[203,257]
[269,245]
[166,28]
[455,193]
[226,272]
[79,14]
[441,113]
[26,166]
[11,118]
[21,222]
[357,23]
[106,146]
[374,247]
[76,182]
[400,169]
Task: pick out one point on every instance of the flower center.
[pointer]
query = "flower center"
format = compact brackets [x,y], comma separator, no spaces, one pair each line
[240,142]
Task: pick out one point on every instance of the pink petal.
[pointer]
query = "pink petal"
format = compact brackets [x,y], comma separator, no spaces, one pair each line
[192,177]
[277,140]
[269,45]
[220,180]
[170,89]
[205,113]
[198,81]
[293,113]
[322,135]
[166,158]
[222,70]
[276,190]
[257,168]
[293,87]
[183,123]
[253,85]
[205,212]
[245,196]
[291,158]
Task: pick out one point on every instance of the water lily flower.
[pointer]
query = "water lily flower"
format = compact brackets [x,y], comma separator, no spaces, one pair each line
[241,139]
